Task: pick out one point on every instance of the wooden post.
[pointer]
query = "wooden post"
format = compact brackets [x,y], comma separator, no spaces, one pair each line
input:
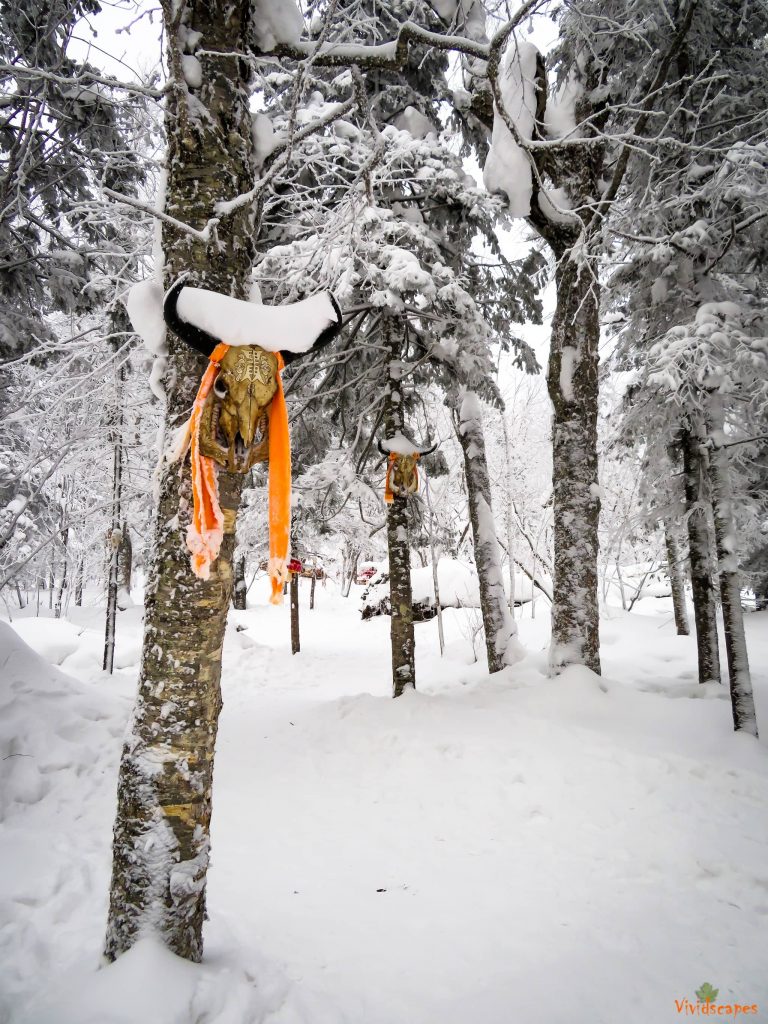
[294,589]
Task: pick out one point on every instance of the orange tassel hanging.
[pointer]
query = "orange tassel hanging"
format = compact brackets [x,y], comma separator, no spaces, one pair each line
[389,495]
[206,531]
[279,490]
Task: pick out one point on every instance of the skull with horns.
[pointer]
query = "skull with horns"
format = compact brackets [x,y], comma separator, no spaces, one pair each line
[234,424]
[402,469]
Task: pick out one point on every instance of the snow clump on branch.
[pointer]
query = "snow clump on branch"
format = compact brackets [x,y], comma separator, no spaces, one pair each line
[508,168]
[276,21]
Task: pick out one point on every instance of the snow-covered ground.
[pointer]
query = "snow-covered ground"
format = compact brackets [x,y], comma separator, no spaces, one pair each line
[568,851]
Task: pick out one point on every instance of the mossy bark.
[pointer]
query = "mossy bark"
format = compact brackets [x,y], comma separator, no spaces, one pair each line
[161,839]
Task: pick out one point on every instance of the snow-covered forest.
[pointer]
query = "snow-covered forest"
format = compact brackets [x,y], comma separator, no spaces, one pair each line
[383,511]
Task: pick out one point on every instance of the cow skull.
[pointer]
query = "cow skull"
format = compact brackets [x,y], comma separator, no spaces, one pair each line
[234,426]
[405,477]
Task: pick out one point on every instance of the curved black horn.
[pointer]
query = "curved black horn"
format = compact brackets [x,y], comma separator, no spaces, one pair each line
[323,338]
[428,451]
[198,339]
[382,449]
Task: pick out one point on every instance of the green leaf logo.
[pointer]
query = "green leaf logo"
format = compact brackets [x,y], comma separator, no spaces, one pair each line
[707,994]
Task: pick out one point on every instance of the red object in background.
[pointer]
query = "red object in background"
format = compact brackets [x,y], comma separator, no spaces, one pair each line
[294,565]
[365,575]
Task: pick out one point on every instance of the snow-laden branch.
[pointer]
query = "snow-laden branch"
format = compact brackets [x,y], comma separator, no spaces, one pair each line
[393,54]
[647,108]
[281,155]
[86,80]
[203,236]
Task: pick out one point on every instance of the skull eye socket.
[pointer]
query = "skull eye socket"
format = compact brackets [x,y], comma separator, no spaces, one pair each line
[220,388]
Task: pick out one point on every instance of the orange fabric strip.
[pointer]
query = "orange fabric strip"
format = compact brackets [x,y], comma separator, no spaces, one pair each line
[389,496]
[206,531]
[279,490]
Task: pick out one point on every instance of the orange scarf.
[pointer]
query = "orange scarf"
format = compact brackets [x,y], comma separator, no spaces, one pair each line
[206,531]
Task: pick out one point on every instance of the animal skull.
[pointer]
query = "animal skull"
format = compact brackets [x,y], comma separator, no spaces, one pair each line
[234,426]
[405,476]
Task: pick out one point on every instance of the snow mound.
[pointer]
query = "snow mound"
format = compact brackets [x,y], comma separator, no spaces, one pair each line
[59,740]
[458,585]
[152,985]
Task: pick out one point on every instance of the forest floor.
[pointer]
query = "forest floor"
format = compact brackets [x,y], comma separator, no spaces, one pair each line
[485,851]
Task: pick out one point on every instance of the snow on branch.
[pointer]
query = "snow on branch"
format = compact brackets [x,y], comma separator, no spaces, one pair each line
[646,110]
[508,168]
[203,236]
[86,80]
[280,156]
[393,54]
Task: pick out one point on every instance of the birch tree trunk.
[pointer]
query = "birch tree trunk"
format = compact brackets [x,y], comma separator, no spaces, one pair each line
[742,700]
[676,579]
[161,840]
[573,388]
[240,590]
[114,533]
[398,543]
[295,634]
[124,568]
[500,628]
[702,570]
[434,558]
[350,556]
[63,578]
[510,532]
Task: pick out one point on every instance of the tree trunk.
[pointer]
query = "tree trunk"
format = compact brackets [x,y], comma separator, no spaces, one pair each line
[312,592]
[398,544]
[114,533]
[161,841]
[240,590]
[510,509]
[124,568]
[676,579]
[573,389]
[500,628]
[702,586]
[63,578]
[350,558]
[435,560]
[79,581]
[294,591]
[742,701]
